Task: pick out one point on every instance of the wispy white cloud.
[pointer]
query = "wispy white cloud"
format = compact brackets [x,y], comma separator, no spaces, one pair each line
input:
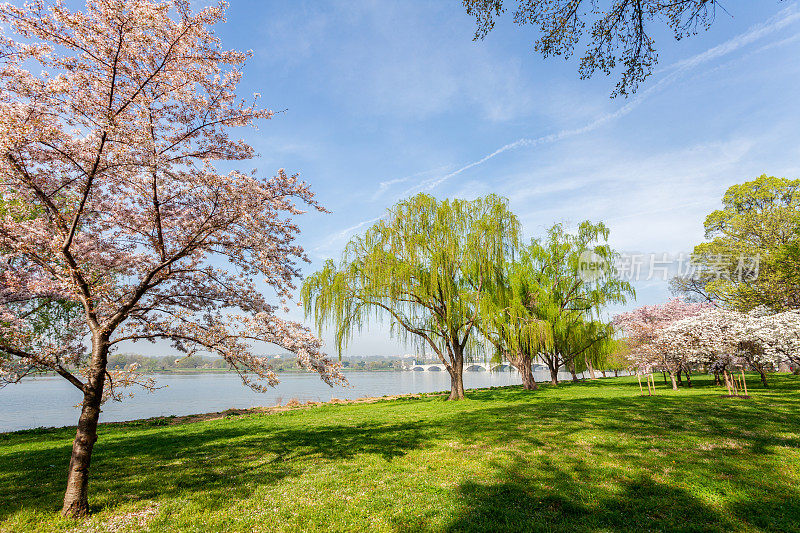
[658,198]
[335,240]
[673,72]
[411,67]
[784,18]
[780,20]
[384,186]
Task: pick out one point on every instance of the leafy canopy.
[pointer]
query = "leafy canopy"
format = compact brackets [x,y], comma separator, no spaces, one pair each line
[577,278]
[423,267]
[548,301]
[748,260]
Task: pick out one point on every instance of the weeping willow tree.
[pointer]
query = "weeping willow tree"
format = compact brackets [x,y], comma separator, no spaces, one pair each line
[424,268]
[510,323]
[618,357]
[590,344]
[576,277]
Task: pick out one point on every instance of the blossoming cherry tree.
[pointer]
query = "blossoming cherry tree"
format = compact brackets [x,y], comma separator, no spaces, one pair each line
[113,122]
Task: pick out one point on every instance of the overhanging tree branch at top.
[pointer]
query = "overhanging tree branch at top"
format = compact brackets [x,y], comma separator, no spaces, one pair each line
[617,31]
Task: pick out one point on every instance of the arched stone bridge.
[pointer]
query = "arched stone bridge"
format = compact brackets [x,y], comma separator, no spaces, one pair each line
[468,367]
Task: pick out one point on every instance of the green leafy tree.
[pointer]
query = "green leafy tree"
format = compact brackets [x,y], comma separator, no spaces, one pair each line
[424,267]
[751,256]
[594,340]
[576,277]
[789,270]
[510,323]
[618,356]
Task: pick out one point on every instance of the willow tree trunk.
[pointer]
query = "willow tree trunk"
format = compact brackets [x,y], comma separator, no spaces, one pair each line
[592,375]
[572,371]
[525,368]
[76,497]
[457,375]
[552,364]
[553,375]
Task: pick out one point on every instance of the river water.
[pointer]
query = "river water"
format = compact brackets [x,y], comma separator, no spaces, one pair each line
[51,401]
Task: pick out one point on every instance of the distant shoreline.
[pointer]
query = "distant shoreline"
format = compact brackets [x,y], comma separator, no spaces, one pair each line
[228,371]
[292,405]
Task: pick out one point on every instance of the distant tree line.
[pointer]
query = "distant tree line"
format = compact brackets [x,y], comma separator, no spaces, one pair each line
[152,364]
[121,361]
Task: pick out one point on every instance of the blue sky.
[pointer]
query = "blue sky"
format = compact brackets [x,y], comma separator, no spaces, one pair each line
[386,99]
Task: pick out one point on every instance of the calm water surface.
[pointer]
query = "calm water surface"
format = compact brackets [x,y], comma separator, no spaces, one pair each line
[50,401]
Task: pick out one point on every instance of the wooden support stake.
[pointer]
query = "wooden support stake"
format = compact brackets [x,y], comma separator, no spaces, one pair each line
[639,377]
[727,381]
[744,383]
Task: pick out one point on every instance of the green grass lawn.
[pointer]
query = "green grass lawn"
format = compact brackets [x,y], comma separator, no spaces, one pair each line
[591,456]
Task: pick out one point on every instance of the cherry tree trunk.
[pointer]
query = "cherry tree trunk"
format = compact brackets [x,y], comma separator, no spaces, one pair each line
[763,377]
[688,379]
[457,375]
[76,499]
[674,381]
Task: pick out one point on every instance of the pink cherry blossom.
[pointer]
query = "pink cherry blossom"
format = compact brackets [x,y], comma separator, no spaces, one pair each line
[118,194]
[644,326]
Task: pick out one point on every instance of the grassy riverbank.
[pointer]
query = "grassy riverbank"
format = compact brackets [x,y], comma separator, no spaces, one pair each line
[589,456]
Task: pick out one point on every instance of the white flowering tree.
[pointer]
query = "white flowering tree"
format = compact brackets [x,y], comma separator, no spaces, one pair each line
[651,342]
[766,341]
[707,339]
[716,335]
[781,333]
[111,121]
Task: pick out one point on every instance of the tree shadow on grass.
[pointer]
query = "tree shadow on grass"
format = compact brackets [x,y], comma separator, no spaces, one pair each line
[755,427]
[557,501]
[218,462]
[688,440]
